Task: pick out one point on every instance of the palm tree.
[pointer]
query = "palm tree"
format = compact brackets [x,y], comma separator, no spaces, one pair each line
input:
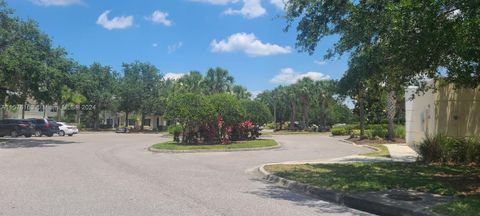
[291,95]
[77,99]
[192,82]
[304,88]
[323,93]
[241,92]
[218,80]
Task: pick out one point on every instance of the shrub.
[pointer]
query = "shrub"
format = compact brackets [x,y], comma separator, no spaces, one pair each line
[355,133]
[339,131]
[175,130]
[400,131]
[376,131]
[270,125]
[444,149]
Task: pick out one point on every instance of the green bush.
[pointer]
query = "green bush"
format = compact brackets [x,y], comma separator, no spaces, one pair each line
[339,131]
[400,131]
[355,132]
[372,131]
[446,149]
[175,130]
[270,125]
[376,131]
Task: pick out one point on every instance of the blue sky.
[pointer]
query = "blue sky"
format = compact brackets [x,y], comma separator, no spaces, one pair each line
[244,36]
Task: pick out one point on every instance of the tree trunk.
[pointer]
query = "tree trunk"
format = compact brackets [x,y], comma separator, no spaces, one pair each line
[292,115]
[77,114]
[95,121]
[304,110]
[23,110]
[323,114]
[275,117]
[143,120]
[59,111]
[391,111]
[126,119]
[361,104]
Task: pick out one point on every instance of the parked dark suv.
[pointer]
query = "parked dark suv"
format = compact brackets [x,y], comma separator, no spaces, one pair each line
[15,128]
[44,127]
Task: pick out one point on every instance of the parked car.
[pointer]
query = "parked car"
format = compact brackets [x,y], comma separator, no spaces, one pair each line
[45,127]
[66,129]
[15,128]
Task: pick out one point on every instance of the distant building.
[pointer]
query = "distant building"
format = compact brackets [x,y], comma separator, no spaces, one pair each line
[450,111]
[151,122]
[108,119]
[31,110]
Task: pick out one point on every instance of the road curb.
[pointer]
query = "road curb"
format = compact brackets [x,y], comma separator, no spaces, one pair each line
[346,199]
[279,145]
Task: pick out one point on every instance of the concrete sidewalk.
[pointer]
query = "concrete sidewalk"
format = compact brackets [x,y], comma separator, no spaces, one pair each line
[402,152]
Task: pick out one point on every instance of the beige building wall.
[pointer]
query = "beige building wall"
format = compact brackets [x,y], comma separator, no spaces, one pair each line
[32,111]
[451,111]
[152,121]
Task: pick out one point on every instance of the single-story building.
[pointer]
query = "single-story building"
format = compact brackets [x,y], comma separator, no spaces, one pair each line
[447,110]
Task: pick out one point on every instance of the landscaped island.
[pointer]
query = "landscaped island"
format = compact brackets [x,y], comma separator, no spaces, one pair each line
[248,144]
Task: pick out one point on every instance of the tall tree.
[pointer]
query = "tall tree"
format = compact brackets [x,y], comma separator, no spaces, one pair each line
[98,84]
[130,90]
[304,88]
[241,92]
[193,82]
[291,95]
[426,37]
[218,80]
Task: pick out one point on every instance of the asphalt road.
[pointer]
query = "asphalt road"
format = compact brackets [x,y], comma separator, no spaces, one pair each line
[114,174]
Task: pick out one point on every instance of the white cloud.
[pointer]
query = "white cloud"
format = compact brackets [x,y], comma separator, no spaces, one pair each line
[289,76]
[174,76]
[251,9]
[320,62]
[154,45]
[56,2]
[249,44]
[280,4]
[217,2]
[121,22]
[159,17]
[174,47]
[255,93]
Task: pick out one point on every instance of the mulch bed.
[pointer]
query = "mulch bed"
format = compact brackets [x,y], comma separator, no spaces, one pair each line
[359,141]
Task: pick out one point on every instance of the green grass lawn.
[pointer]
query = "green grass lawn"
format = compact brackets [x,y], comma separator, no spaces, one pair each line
[456,181]
[259,143]
[469,206]
[382,151]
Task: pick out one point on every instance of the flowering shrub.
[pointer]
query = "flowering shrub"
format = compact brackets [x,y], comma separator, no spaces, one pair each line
[218,118]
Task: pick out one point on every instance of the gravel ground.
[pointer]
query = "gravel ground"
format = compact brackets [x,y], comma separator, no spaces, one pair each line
[114,174]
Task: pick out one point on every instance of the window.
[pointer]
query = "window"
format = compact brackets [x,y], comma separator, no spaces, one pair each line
[40,108]
[146,122]
[53,109]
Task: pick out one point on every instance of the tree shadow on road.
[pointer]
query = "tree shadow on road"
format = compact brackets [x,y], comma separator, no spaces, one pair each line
[31,143]
[276,192]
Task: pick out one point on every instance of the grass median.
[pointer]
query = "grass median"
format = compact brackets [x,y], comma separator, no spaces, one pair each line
[249,144]
[457,181]
[381,151]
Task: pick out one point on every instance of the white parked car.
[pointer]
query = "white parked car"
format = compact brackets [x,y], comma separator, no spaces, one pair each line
[66,129]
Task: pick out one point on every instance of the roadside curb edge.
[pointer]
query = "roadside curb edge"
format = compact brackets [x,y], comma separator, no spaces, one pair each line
[341,198]
[151,149]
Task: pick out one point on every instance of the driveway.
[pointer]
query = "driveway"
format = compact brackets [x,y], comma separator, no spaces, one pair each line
[114,174]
